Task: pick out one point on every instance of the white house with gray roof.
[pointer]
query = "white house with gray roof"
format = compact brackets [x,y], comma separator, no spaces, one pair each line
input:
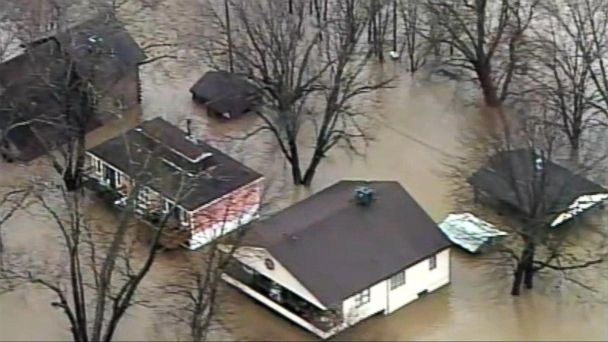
[349,252]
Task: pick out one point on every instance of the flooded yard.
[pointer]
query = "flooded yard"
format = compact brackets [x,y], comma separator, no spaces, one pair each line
[415,127]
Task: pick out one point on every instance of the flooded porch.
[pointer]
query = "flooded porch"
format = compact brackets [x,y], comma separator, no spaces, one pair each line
[323,323]
[416,126]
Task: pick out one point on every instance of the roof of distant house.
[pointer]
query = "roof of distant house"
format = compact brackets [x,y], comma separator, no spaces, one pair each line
[225,92]
[336,247]
[164,158]
[26,79]
[509,176]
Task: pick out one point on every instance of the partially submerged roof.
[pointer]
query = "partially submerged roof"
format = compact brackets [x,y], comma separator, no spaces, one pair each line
[29,82]
[225,92]
[469,232]
[336,247]
[101,46]
[166,159]
[510,177]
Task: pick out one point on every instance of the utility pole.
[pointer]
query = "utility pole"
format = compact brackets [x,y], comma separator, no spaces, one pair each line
[229,35]
[395,25]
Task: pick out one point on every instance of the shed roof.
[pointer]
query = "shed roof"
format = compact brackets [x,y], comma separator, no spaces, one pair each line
[336,247]
[162,156]
[224,92]
[514,176]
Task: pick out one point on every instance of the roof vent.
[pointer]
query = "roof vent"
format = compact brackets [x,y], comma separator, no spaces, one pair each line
[364,195]
[538,164]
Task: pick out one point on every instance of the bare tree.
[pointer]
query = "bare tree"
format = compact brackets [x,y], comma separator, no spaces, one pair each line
[486,38]
[561,75]
[307,76]
[416,48]
[77,83]
[535,190]
[98,276]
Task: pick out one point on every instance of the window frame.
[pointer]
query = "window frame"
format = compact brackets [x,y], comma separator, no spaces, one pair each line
[397,280]
[433,262]
[98,165]
[118,178]
[362,298]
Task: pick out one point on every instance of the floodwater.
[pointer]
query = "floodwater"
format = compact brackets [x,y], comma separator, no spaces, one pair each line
[415,127]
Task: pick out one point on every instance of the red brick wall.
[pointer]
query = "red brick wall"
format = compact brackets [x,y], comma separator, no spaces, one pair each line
[228,208]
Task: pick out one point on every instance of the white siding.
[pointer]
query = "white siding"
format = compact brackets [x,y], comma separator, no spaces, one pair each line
[254,258]
[377,303]
[418,278]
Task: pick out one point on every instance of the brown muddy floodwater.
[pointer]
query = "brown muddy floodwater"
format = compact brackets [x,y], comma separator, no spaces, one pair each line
[414,128]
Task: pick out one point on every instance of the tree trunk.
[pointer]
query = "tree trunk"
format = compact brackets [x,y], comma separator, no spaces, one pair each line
[229,34]
[529,265]
[294,160]
[517,280]
[312,169]
[484,74]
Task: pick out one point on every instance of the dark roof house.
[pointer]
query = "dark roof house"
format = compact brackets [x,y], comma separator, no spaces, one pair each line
[29,81]
[160,154]
[346,253]
[225,93]
[512,177]
[336,247]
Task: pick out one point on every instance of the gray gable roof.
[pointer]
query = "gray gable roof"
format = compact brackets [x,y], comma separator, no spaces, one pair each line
[511,177]
[337,248]
[144,151]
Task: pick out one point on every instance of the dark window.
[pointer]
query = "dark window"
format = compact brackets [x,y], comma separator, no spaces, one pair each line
[362,298]
[398,280]
[433,262]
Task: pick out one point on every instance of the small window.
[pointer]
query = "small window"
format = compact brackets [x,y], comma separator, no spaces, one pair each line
[398,280]
[118,178]
[433,262]
[362,298]
[167,206]
[98,165]
[183,216]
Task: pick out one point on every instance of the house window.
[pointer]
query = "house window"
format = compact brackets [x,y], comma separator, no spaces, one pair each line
[144,197]
[362,298]
[433,262]
[183,216]
[167,206]
[98,165]
[398,280]
[118,179]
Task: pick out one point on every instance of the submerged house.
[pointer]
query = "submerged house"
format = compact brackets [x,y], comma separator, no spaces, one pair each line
[523,179]
[203,191]
[353,250]
[225,94]
[48,75]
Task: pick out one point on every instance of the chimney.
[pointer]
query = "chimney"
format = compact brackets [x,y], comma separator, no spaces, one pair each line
[364,195]
[189,128]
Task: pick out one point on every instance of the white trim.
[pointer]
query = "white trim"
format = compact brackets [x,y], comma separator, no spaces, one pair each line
[219,229]
[281,310]
[204,206]
[577,207]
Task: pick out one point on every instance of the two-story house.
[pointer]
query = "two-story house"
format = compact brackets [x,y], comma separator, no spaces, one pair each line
[353,250]
[169,173]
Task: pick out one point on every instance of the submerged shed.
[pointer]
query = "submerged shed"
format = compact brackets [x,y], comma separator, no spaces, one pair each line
[225,94]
